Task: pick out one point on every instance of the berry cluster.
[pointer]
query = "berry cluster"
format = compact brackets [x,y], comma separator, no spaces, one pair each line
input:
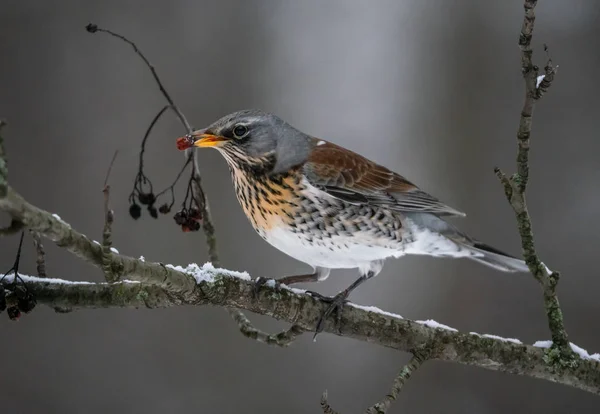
[25,301]
[188,219]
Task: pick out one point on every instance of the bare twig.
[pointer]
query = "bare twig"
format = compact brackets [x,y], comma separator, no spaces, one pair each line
[109,217]
[282,339]
[515,186]
[41,254]
[14,227]
[325,404]
[3,164]
[93,28]
[403,376]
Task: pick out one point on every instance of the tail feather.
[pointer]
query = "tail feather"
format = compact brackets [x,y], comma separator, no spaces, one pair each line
[497,259]
[480,252]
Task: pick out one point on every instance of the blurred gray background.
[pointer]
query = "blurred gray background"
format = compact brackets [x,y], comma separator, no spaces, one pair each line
[431,89]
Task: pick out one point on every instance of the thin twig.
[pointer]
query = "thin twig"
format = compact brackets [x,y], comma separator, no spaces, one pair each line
[516,186]
[109,217]
[282,339]
[41,254]
[3,164]
[14,227]
[403,376]
[93,28]
[325,404]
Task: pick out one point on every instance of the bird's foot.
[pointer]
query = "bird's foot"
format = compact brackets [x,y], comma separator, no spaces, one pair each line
[336,304]
[262,281]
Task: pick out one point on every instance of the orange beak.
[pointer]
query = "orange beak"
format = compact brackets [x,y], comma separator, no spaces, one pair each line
[208,140]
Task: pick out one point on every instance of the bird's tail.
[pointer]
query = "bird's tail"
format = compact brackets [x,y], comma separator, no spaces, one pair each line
[495,258]
[477,251]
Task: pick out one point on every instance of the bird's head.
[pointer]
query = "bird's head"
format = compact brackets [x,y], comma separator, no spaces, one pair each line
[255,137]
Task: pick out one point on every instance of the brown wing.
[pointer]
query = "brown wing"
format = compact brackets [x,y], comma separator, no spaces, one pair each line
[353,178]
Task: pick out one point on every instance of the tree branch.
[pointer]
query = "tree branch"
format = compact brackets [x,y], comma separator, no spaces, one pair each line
[384,405]
[515,186]
[219,287]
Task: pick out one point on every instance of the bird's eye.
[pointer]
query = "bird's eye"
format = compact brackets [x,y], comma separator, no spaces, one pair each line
[240,131]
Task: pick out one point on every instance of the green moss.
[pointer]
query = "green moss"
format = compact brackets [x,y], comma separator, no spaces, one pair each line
[557,361]
[142,295]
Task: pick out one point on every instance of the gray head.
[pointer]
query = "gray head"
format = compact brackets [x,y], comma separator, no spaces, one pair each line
[252,136]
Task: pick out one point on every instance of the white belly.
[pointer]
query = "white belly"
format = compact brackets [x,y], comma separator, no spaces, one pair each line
[335,252]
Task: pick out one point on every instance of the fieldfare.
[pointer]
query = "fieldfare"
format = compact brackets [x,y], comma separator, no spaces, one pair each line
[331,208]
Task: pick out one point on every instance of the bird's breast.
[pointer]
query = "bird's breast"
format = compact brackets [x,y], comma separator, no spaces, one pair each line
[268,202]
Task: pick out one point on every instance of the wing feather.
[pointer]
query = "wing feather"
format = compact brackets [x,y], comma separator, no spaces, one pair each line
[353,178]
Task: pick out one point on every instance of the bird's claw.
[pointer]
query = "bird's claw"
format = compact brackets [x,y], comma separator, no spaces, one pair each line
[261,281]
[336,304]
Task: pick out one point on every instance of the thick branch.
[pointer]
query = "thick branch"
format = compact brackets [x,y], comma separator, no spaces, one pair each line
[221,288]
[63,235]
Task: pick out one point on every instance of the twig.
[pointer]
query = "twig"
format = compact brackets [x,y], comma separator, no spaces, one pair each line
[325,404]
[41,254]
[403,376]
[20,299]
[515,186]
[93,28]
[109,217]
[384,405]
[282,339]
[14,227]
[3,163]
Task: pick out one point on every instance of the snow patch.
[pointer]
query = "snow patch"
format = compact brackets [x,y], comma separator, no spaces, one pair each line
[207,272]
[33,279]
[115,251]
[539,80]
[577,349]
[375,309]
[500,338]
[142,259]
[57,217]
[96,242]
[436,325]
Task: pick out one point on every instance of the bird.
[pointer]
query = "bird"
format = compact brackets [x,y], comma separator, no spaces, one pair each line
[332,208]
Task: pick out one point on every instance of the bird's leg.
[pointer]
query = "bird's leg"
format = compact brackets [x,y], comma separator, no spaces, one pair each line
[319,274]
[336,303]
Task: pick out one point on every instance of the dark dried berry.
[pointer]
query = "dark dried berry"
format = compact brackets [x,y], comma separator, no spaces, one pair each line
[146,198]
[180,217]
[194,225]
[164,209]
[13,313]
[194,213]
[153,211]
[135,211]
[26,303]
[92,28]
[2,298]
